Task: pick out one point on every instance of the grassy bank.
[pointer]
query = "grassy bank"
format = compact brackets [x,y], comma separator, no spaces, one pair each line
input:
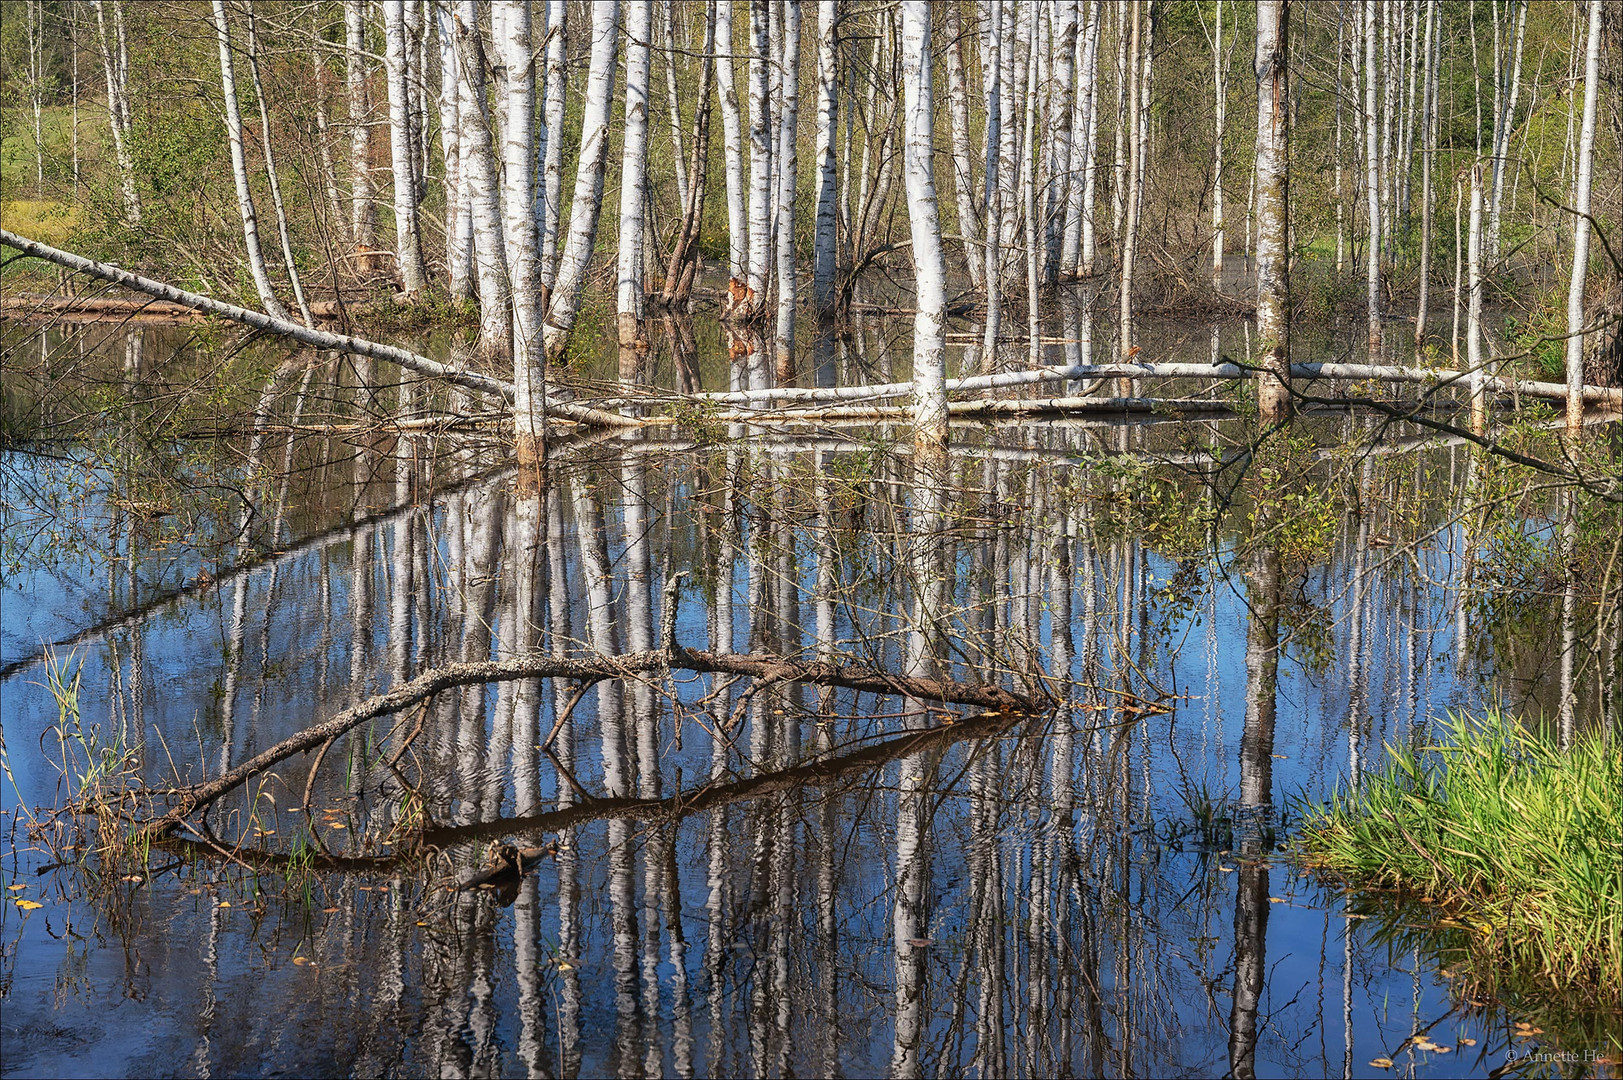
[1514,844]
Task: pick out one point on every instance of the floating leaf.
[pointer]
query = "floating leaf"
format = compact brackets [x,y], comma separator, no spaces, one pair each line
[15,888]
[1443,1049]
[225,903]
[1424,1044]
[1467,1042]
[301,960]
[28,905]
[1278,900]
[1381,1063]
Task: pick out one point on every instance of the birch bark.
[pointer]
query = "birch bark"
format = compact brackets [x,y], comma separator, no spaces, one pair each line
[115,66]
[732,147]
[634,172]
[992,77]
[363,215]
[239,169]
[1372,186]
[788,122]
[1219,112]
[1062,179]
[1273,202]
[270,171]
[760,199]
[963,165]
[825,240]
[1503,125]
[1428,154]
[552,164]
[408,240]
[458,215]
[479,184]
[587,203]
[673,101]
[1580,227]
[929,266]
[523,256]
[1135,150]
[1473,308]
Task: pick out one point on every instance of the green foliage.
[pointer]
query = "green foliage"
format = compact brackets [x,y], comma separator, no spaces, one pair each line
[1541,335]
[1514,842]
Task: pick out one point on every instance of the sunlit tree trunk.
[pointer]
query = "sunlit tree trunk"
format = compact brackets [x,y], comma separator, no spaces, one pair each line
[1473,311]
[587,203]
[479,184]
[522,250]
[270,172]
[1028,190]
[1220,97]
[552,165]
[1503,125]
[1090,77]
[732,146]
[1273,201]
[824,238]
[34,25]
[1135,149]
[786,165]
[929,265]
[992,80]
[458,215]
[634,172]
[329,174]
[963,165]
[1372,185]
[1428,156]
[116,68]
[408,238]
[673,101]
[1064,178]
[363,215]
[760,132]
[1580,228]
[239,169]
[1341,200]
[683,264]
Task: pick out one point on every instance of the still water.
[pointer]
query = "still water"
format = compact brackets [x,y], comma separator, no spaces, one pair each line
[869,884]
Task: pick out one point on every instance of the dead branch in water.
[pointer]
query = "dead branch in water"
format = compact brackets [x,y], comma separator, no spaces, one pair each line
[593,668]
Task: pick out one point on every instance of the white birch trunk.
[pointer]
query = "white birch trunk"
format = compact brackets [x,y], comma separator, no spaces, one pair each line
[1341,200]
[408,240]
[479,184]
[1473,310]
[992,77]
[732,146]
[1580,227]
[458,218]
[788,122]
[1063,178]
[1372,185]
[270,172]
[760,195]
[673,101]
[825,240]
[1091,167]
[929,264]
[1220,98]
[587,203]
[363,215]
[1135,149]
[34,16]
[523,256]
[115,67]
[329,174]
[239,169]
[1428,154]
[552,164]
[1504,125]
[633,172]
[1273,194]
[1028,190]
[963,163]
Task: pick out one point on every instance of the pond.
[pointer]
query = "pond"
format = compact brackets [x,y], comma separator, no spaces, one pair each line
[767,876]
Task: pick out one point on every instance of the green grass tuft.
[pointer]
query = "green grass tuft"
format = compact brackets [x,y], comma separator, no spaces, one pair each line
[1513,840]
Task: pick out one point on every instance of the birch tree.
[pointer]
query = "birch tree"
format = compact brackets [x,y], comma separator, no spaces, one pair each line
[1428,155]
[550,192]
[1581,224]
[963,166]
[1473,307]
[992,78]
[587,203]
[270,172]
[1062,176]
[363,217]
[478,164]
[1372,186]
[408,238]
[1219,112]
[519,229]
[929,264]
[732,147]
[1507,90]
[115,64]
[1273,202]
[634,172]
[239,169]
[458,213]
[1135,150]
[760,195]
[788,122]
[824,239]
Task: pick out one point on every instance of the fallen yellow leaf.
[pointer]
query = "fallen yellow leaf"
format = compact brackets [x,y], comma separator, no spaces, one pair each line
[1424,1044]
[1278,900]
[15,888]
[1443,1049]
[1467,1042]
[301,960]
[225,903]
[27,905]
[1381,1063]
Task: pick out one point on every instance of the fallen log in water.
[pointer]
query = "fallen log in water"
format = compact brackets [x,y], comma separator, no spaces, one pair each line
[99,307]
[320,339]
[589,669]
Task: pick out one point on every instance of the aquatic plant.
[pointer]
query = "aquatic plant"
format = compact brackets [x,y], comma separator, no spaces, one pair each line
[1509,836]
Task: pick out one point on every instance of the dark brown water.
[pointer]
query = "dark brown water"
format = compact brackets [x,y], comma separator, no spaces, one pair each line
[869,886]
